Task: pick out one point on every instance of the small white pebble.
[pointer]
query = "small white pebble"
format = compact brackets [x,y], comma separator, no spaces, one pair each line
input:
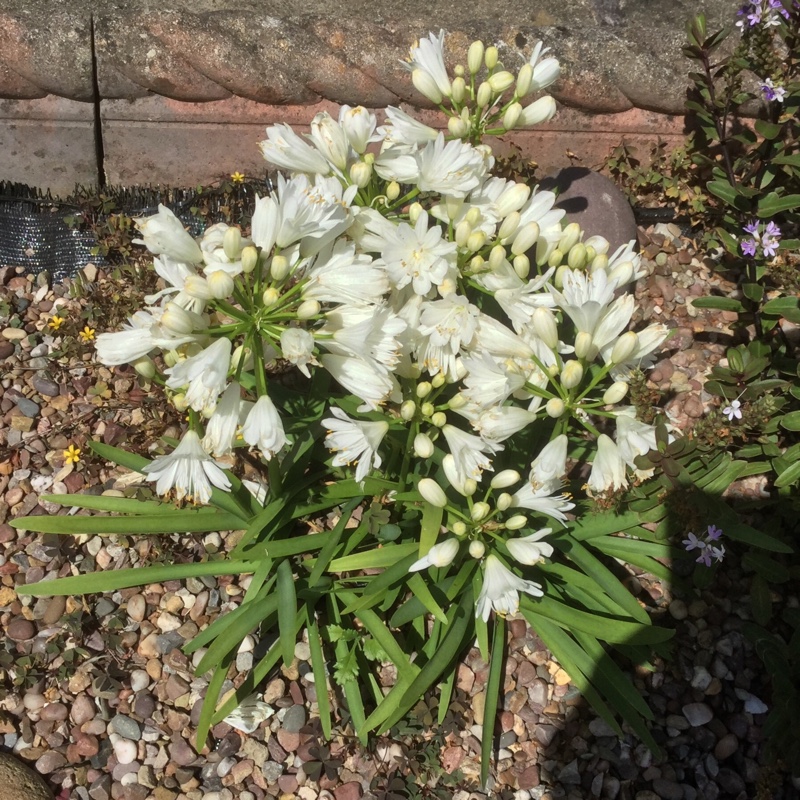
[139,680]
[125,751]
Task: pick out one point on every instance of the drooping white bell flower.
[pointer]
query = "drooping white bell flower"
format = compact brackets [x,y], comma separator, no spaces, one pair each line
[545,70]
[223,424]
[500,590]
[263,428]
[469,452]
[286,150]
[264,223]
[440,555]
[164,234]
[358,125]
[498,423]
[354,441]
[488,382]
[530,550]
[141,334]
[205,375]
[403,130]
[643,357]
[329,138]
[547,471]
[363,378]
[297,346]
[634,438]
[188,471]
[608,468]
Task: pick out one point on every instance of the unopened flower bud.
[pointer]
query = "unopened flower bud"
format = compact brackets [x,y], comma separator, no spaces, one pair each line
[490,57]
[459,528]
[504,501]
[145,367]
[440,555]
[555,407]
[509,226]
[554,260]
[423,389]
[432,492]
[484,95]
[249,258]
[571,374]
[458,69]
[522,266]
[500,81]
[177,319]
[243,354]
[477,263]
[590,253]
[477,548]
[279,268]
[512,199]
[504,479]
[475,57]
[477,239]
[393,190]
[197,286]
[625,347]
[524,80]
[458,127]
[439,419]
[570,236]
[552,370]
[408,410]
[220,284]
[539,111]
[600,244]
[425,84]
[427,409]
[621,274]
[479,511]
[615,393]
[584,346]
[525,239]
[463,231]
[414,210]
[544,323]
[459,90]
[577,257]
[179,401]
[423,446]
[473,216]
[308,309]
[497,256]
[457,401]
[470,487]
[360,173]
[270,297]
[232,243]
[516,522]
[600,261]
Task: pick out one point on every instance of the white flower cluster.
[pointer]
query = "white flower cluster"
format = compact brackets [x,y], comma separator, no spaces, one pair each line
[453,305]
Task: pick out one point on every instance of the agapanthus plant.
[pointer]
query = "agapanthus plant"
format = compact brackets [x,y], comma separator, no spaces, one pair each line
[454,353]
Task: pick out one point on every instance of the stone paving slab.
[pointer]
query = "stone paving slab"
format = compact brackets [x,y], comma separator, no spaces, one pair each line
[165,59]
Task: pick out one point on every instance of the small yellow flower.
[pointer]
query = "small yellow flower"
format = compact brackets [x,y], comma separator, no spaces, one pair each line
[72,455]
[87,334]
[56,322]
[237,177]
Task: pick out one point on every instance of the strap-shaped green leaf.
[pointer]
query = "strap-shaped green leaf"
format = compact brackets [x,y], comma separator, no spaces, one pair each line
[420,589]
[329,549]
[320,674]
[372,559]
[287,610]
[493,686]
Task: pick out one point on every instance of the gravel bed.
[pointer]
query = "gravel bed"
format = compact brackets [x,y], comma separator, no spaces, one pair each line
[98,697]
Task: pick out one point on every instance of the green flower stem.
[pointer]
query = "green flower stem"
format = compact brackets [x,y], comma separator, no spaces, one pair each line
[232,311]
[600,375]
[403,200]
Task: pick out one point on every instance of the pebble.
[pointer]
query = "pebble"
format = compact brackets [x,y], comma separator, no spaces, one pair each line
[27,407]
[136,607]
[139,680]
[678,610]
[45,386]
[726,747]
[20,629]
[697,714]
[302,652]
[125,750]
[50,762]
[83,709]
[126,727]
[14,334]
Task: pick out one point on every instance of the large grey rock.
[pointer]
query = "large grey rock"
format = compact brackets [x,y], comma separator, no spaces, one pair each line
[595,203]
[20,782]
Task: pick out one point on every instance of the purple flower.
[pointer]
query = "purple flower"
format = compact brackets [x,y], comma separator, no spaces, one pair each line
[752,228]
[771,239]
[717,552]
[749,247]
[714,533]
[693,543]
[776,5]
[772,92]
[752,12]
[773,230]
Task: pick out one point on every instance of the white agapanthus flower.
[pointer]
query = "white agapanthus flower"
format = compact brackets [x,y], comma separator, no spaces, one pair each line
[440,555]
[188,471]
[401,129]
[427,55]
[330,139]
[263,428]
[419,255]
[643,357]
[223,424]
[358,125]
[342,276]
[489,382]
[547,471]
[634,438]
[608,468]
[175,275]
[530,550]
[363,378]
[453,169]
[545,70]
[469,452]
[501,588]
[164,234]
[445,327]
[354,441]
[205,375]
[286,150]
[141,334]
[498,423]
[297,346]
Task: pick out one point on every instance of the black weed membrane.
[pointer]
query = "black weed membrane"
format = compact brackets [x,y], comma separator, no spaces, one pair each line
[60,236]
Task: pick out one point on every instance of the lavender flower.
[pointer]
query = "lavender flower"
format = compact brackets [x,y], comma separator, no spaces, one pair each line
[749,247]
[707,551]
[770,239]
[751,11]
[772,92]
[714,533]
[777,5]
